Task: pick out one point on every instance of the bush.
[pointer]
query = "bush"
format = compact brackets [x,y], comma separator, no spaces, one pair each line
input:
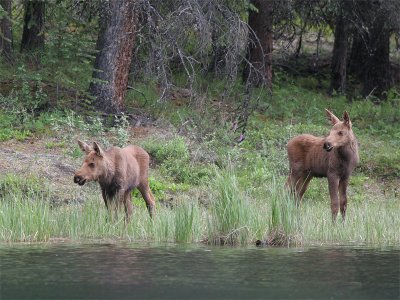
[162,150]
[30,187]
[173,158]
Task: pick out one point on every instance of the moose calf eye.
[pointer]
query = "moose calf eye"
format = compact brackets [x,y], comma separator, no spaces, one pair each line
[91,165]
[340,133]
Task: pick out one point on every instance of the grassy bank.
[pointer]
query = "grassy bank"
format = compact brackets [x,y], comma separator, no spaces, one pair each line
[230,217]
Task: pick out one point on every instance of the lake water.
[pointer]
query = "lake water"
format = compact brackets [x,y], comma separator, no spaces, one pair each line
[130,271]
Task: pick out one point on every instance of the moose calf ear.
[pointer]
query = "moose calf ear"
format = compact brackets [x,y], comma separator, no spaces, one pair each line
[331,117]
[98,149]
[85,147]
[346,119]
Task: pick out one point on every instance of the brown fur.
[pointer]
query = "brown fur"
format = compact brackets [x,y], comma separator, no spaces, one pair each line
[118,171]
[334,157]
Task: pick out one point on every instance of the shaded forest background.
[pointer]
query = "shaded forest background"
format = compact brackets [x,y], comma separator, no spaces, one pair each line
[124,42]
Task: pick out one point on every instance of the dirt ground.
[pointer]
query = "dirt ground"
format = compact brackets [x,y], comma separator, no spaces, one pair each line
[32,158]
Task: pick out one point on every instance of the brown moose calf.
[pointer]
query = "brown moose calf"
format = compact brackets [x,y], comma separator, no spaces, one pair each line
[118,171]
[334,157]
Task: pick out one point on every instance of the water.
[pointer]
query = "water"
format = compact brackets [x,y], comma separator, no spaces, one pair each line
[126,271]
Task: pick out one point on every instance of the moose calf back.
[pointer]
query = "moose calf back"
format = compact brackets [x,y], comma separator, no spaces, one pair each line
[306,155]
[132,164]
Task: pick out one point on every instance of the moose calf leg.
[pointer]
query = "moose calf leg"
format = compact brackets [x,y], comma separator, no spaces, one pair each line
[343,197]
[148,197]
[288,185]
[128,206]
[103,193]
[304,185]
[333,183]
[292,184]
[107,203]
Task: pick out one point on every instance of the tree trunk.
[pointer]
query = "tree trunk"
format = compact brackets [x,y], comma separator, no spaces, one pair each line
[358,54]
[32,35]
[115,43]
[6,33]
[258,70]
[339,56]
[218,60]
[376,78]
[369,59]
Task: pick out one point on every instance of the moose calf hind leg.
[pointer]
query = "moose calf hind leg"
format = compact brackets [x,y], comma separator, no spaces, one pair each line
[304,185]
[128,206]
[293,184]
[148,198]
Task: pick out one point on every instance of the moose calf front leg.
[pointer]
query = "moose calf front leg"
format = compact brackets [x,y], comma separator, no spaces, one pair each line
[333,183]
[107,203]
[343,197]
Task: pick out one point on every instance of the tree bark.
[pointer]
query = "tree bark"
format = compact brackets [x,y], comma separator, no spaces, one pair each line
[6,32]
[258,70]
[32,35]
[339,56]
[115,43]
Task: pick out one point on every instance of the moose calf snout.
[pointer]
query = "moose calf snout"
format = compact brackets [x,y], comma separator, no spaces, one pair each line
[79,180]
[327,146]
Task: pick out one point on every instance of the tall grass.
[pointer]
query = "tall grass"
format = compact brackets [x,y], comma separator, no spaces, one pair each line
[369,222]
[230,217]
[284,222]
[230,210]
[186,219]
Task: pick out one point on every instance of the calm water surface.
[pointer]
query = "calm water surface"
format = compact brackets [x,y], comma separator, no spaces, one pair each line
[126,271]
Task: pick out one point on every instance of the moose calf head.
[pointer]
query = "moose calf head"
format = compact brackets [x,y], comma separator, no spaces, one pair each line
[94,165]
[341,133]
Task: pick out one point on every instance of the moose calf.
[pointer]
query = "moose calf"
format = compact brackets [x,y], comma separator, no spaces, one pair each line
[118,171]
[334,157]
